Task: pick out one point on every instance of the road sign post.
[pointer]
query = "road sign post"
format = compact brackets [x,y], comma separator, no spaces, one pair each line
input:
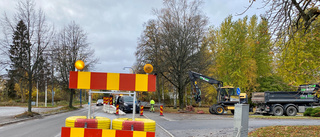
[238,92]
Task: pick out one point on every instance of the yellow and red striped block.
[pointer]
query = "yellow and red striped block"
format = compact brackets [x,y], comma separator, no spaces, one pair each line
[112,81]
[92,132]
[79,121]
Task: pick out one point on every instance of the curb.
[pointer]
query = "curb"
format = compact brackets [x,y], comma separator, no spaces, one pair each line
[20,120]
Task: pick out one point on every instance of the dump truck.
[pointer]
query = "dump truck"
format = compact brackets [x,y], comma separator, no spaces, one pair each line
[287,103]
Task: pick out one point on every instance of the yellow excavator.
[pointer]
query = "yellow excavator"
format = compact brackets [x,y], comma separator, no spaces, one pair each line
[227,96]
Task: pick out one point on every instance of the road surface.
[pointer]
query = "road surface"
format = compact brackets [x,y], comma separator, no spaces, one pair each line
[179,125]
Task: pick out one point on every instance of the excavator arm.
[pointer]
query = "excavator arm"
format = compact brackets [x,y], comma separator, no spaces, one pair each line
[194,86]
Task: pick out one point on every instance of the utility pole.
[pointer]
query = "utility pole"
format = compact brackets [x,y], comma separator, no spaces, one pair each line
[37,93]
[52,78]
[45,99]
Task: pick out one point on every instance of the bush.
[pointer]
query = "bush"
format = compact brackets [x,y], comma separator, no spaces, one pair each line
[313,112]
[308,112]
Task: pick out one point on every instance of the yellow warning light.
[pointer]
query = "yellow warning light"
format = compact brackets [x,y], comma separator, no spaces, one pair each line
[148,68]
[79,64]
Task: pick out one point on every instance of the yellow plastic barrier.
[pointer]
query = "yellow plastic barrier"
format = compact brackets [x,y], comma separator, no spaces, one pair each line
[79,121]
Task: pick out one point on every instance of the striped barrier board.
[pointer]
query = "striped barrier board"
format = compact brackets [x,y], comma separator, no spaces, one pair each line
[112,81]
[92,132]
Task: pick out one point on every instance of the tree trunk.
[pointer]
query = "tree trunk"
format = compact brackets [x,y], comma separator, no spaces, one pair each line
[71,98]
[30,91]
[181,95]
[174,98]
[162,92]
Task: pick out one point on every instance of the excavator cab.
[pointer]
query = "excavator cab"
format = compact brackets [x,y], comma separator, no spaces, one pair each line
[227,94]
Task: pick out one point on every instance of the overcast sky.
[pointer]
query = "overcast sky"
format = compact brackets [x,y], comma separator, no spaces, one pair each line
[113,26]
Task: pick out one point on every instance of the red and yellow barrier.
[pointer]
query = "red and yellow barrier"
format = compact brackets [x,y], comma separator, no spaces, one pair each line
[141,110]
[161,110]
[110,101]
[107,100]
[123,123]
[91,132]
[117,109]
[79,121]
[112,81]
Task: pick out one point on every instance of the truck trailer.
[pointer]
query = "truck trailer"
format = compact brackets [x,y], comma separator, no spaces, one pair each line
[287,103]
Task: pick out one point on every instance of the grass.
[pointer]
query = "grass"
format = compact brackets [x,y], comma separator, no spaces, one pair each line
[286,131]
[41,104]
[196,109]
[26,114]
[63,109]
[282,117]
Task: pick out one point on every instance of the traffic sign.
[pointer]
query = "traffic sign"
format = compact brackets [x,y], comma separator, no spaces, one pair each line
[238,91]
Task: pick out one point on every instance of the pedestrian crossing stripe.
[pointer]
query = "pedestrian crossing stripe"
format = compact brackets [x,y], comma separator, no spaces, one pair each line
[112,81]
[92,132]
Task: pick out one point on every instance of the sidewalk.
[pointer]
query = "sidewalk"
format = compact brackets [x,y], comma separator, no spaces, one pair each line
[7,114]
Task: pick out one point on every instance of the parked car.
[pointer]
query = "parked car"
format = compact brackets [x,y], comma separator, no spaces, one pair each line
[126,103]
[99,102]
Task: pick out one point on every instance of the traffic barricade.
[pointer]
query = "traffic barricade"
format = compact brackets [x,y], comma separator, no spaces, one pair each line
[82,121]
[122,124]
[161,110]
[92,132]
[141,110]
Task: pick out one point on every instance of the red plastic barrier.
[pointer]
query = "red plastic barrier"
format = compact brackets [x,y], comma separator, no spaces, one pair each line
[91,123]
[137,125]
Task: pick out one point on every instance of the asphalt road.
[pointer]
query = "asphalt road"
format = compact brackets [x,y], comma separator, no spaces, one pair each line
[207,125]
[179,125]
[50,126]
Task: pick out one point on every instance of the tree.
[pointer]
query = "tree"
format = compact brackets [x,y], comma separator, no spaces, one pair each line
[39,37]
[284,14]
[241,52]
[148,49]
[18,52]
[174,42]
[71,45]
[298,62]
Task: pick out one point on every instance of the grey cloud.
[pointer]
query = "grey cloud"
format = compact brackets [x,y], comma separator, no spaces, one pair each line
[113,26]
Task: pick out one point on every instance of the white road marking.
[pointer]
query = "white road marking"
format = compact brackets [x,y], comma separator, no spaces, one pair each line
[58,135]
[162,128]
[168,119]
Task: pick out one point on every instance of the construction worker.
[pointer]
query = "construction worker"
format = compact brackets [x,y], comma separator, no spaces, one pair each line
[151,105]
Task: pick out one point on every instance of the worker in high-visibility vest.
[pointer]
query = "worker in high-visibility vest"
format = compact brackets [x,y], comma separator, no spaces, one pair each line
[151,105]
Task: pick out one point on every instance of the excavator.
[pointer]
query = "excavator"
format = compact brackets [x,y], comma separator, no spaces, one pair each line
[226,95]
